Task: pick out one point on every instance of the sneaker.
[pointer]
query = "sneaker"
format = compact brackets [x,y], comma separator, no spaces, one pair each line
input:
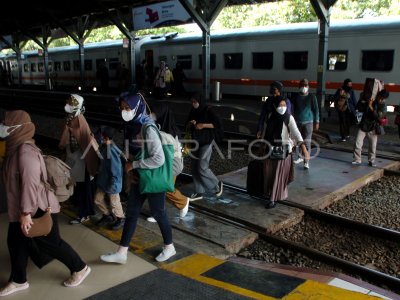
[354,162]
[343,139]
[79,220]
[167,253]
[13,287]
[220,189]
[196,196]
[115,257]
[306,165]
[184,211]
[372,164]
[105,220]
[299,160]
[77,277]
[151,220]
[118,224]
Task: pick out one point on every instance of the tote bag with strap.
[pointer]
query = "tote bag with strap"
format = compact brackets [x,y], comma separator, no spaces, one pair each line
[159,179]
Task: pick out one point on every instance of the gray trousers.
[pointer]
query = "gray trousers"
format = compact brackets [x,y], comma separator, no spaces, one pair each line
[203,178]
[306,131]
[372,141]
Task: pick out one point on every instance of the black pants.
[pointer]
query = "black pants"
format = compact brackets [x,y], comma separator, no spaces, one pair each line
[344,123]
[20,248]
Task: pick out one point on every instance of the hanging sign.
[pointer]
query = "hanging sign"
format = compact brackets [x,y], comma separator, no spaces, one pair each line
[163,14]
[125,43]
[40,52]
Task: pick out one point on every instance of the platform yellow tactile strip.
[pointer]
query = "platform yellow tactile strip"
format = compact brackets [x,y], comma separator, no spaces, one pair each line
[312,290]
[195,265]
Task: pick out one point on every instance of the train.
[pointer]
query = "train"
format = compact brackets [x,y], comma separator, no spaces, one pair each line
[243,61]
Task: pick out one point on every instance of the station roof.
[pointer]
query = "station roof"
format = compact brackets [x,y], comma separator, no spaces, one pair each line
[18,16]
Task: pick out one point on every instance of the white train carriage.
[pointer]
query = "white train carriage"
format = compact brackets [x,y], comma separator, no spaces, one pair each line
[245,61]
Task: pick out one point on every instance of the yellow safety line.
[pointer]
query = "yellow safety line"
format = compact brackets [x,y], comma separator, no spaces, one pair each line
[193,266]
[320,291]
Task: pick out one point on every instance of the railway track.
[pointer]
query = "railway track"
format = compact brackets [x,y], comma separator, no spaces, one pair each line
[366,273]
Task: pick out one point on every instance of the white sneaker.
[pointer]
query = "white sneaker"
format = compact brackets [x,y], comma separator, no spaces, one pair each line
[77,277]
[151,220]
[167,253]
[306,165]
[115,257]
[184,211]
[13,287]
[299,160]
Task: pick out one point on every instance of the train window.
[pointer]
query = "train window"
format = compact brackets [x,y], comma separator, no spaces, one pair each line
[212,61]
[67,65]
[88,65]
[377,60]
[33,67]
[233,60]
[263,60]
[40,67]
[57,66]
[297,60]
[26,67]
[113,63]
[76,65]
[185,61]
[337,60]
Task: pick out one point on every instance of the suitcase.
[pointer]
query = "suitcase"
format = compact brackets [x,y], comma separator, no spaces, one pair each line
[255,178]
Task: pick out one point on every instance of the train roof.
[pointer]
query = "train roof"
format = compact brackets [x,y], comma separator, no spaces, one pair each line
[337,26]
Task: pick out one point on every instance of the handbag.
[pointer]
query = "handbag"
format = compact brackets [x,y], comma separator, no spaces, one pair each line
[383,121]
[279,152]
[41,226]
[159,179]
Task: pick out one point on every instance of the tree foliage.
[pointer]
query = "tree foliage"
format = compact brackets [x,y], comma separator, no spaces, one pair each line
[238,16]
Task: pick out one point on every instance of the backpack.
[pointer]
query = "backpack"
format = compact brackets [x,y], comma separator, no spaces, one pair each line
[59,177]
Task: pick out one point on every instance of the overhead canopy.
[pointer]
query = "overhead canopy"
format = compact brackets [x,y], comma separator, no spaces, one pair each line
[31,16]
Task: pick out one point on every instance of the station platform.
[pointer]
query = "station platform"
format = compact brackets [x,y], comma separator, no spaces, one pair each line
[195,276]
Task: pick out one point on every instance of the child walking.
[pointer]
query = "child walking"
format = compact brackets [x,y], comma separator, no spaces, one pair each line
[109,181]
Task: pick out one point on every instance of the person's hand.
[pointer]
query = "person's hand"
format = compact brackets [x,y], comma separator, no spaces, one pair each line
[128,167]
[258,135]
[26,223]
[316,126]
[200,126]
[193,122]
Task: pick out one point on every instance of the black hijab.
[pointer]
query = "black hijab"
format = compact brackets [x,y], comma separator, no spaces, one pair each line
[166,119]
[275,124]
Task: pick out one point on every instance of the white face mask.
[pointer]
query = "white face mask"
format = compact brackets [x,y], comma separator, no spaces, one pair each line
[304,90]
[196,105]
[127,115]
[281,110]
[5,130]
[68,108]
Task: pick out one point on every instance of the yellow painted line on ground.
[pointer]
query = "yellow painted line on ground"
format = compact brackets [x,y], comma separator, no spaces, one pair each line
[320,291]
[194,265]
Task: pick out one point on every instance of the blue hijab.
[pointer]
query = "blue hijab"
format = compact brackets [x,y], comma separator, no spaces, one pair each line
[137,103]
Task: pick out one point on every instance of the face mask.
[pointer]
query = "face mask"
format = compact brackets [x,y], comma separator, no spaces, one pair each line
[303,90]
[127,115]
[5,130]
[196,105]
[281,110]
[69,109]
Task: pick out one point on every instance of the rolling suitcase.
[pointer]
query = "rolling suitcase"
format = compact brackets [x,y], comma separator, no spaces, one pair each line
[255,178]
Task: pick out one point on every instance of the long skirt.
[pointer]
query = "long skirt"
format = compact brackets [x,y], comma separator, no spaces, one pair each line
[278,174]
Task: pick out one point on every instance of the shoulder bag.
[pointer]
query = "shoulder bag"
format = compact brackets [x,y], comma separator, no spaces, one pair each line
[159,179]
[42,225]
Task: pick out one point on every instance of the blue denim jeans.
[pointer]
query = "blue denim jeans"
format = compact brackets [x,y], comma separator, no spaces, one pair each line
[157,208]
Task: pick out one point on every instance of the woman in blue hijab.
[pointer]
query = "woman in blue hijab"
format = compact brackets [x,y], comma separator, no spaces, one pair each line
[133,109]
